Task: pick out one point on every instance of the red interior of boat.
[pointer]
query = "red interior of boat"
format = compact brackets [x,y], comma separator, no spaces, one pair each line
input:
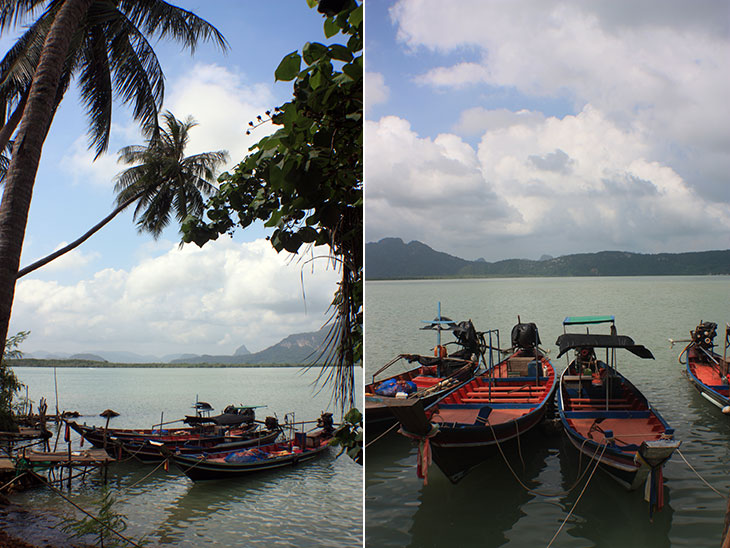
[499,387]
[627,415]
[708,373]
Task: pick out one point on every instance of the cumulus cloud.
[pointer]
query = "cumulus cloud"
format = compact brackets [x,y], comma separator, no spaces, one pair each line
[75,259]
[660,66]
[188,300]
[79,164]
[223,105]
[376,91]
[555,186]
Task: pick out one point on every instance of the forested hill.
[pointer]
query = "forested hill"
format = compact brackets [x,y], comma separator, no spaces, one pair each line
[391,258]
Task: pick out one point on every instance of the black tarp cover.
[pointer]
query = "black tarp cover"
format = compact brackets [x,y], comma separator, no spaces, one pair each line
[569,341]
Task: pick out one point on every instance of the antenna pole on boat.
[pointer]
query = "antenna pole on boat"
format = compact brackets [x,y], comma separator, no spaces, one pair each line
[438,331]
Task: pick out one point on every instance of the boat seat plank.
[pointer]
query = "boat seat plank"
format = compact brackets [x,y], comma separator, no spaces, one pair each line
[610,414]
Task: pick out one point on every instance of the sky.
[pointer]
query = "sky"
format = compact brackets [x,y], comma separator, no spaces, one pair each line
[520,129]
[125,291]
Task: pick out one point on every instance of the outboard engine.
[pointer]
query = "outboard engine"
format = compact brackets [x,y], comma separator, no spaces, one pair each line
[326,423]
[271,423]
[466,336]
[704,335]
[249,414]
[525,335]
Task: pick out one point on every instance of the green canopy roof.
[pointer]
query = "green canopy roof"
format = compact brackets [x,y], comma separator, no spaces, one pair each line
[579,320]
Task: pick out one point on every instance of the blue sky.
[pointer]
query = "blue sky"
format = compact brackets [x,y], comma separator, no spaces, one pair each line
[546,127]
[124,291]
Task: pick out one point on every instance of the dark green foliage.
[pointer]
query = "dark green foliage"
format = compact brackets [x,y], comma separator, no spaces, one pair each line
[165,180]
[103,525]
[305,180]
[391,258]
[349,435]
[9,383]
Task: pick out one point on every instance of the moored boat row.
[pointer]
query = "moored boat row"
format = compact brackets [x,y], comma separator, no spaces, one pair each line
[604,416]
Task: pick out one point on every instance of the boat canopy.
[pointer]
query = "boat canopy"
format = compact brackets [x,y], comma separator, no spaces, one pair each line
[569,341]
[441,323]
[582,320]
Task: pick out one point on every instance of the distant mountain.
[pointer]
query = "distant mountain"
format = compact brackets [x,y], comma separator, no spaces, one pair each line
[294,349]
[89,357]
[242,351]
[391,258]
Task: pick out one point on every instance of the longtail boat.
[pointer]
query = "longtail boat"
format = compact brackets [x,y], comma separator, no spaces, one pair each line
[299,447]
[498,406]
[129,442]
[434,376]
[605,416]
[706,369]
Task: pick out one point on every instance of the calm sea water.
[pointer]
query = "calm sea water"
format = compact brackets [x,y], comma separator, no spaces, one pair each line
[316,504]
[489,507]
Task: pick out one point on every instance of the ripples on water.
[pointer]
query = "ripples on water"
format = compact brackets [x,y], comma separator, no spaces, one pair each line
[317,503]
[488,507]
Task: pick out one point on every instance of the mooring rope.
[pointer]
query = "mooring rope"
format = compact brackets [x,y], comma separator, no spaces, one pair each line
[164,460]
[382,435]
[698,474]
[8,484]
[534,491]
[588,481]
[72,503]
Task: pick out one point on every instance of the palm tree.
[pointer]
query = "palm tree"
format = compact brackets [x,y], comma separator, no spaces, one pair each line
[163,180]
[115,42]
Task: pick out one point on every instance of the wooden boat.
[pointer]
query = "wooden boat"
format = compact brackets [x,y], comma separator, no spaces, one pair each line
[433,378]
[147,451]
[298,448]
[120,442]
[706,369]
[496,407]
[608,418]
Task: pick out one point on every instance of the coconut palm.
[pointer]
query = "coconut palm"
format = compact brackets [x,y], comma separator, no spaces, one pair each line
[163,181]
[106,51]
[117,60]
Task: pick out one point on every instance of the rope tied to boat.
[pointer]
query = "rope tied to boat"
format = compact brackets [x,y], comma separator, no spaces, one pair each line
[72,503]
[424,450]
[698,474]
[572,509]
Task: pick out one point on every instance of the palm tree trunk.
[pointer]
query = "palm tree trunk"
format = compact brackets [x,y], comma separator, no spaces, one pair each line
[6,132]
[76,243]
[27,151]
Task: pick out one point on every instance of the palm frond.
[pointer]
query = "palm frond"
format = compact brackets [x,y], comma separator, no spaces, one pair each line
[96,88]
[156,17]
[14,12]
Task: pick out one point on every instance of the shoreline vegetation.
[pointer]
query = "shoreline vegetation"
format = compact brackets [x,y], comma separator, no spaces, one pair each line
[37,362]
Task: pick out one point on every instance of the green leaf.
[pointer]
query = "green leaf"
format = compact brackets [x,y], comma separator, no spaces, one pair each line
[313,51]
[316,79]
[356,16]
[288,69]
[353,416]
[340,52]
[330,27]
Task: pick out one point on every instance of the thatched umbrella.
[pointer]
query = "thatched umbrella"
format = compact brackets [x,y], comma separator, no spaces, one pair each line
[108,414]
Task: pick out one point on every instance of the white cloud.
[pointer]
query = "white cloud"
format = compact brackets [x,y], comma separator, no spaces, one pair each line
[477,120]
[376,91]
[223,105]
[661,66]
[547,185]
[79,163]
[188,300]
[75,259]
